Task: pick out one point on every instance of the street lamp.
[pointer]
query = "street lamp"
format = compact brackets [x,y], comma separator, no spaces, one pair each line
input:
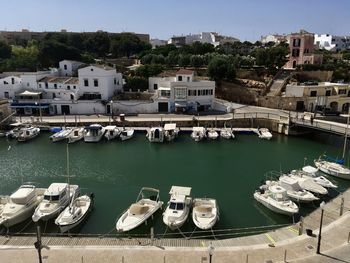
[41,118]
[320,230]
[211,251]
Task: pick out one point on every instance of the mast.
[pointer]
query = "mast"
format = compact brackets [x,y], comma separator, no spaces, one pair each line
[346,133]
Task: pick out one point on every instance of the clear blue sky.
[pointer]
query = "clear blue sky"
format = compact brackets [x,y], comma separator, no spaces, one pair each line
[245,19]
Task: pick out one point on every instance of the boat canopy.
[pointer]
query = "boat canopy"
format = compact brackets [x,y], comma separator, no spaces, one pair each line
[335,160]
[23,195]
[94,127]
[198,129]
[309,169]
[170,126]
[56,188]
[110,127]
[180,190]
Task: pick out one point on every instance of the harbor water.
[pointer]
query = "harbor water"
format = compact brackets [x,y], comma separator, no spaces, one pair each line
[115,171]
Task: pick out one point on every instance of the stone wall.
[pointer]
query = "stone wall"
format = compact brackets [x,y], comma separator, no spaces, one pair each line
[318,75]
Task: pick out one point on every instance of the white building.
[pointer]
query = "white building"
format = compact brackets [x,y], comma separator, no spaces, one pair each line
[89,93]
[182,92]
[204,37]
[331,42]
[275,38]
[157,42]
[68,68]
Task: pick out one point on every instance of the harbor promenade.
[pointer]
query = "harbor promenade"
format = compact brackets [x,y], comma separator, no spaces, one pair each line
[287,244]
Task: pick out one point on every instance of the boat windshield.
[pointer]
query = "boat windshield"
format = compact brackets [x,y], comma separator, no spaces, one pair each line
[176,206]
[52,197]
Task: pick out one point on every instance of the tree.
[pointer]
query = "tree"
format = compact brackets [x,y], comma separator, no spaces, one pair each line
[147,71]
[136,84]
[5,50]
[98,43]
[196,61]
[184,60]
[128,44]
[219,68]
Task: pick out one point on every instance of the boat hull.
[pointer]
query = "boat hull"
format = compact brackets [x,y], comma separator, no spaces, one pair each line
[264,201]
[327,170]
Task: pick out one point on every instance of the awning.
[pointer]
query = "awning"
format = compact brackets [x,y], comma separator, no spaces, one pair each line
[29,106]
[30,93]
[164,88]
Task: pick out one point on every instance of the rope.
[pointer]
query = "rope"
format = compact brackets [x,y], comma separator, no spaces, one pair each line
[181,233]
[192,232]
[29,222]
[213,233]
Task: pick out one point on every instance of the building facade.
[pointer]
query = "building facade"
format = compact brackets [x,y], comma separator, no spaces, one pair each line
[182,92]
[331,42]
[301,46]
[275,38]
[204,37]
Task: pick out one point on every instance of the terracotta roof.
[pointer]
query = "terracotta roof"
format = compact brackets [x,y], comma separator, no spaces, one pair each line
[63,80]
[184,71]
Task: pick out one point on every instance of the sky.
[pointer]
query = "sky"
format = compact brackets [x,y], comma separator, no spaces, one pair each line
[245,19]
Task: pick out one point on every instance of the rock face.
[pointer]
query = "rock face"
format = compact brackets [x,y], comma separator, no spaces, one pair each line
[249,83]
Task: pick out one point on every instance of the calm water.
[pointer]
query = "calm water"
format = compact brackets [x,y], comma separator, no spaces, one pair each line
[115,171]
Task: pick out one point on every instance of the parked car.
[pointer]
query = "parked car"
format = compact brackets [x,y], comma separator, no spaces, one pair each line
[326,111]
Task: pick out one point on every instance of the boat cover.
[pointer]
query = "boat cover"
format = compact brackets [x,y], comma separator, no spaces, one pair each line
[137,209]
[23,195]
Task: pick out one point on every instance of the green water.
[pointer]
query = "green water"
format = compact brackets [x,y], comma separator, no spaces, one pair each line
[115,171]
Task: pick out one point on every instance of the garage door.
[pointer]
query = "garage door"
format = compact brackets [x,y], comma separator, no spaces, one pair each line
[163,106]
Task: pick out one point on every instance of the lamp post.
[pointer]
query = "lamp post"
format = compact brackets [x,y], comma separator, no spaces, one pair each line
[320,230]
[211,251]
[39,104]
[112,108]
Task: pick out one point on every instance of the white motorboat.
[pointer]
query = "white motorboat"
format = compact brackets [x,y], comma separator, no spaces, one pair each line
[294,191]
[212,134]
[126,134]
[28,133]
[56,198]
[332,168]
[21,205]
[264,133]
[227,133]
[76,135]
[13,133]
[178,208]
[61,135]
[147,203]
[198,133]
[155,134]
[171,131]
[112,132]
[75,213]
[307,183]
[94,133]
[205,213]
[275,198]
[309,171]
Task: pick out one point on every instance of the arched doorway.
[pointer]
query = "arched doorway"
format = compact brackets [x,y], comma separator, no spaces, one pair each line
[294,64]
[345,107]
[334,106]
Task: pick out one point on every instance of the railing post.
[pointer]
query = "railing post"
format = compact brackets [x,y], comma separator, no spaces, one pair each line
[247,259]
[301,226]
[341,207]
[285,256]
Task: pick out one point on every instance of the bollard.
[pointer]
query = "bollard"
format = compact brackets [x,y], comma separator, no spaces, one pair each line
[152,235]
[164,259]
[247,258]
[122,259]
[285,256]
[341,207]
[301,226]
[82,259]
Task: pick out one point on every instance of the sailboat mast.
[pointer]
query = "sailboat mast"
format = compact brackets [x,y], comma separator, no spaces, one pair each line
[346,133]
[67,165]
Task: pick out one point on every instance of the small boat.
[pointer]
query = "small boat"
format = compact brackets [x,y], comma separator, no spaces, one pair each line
[21,205]
[212,134]
[13,134]
[56,198]
[178,208]
[294,191]
[332,168]
[61,135]
[171,131]
[126,134]
[112,132]
[205,213]
[76,135]
[94,133]
[264,133]
[307,183]
[28,133]
[311,172]
[147,203]
[227,133]
[155,134]
[198,133]
[275,198]
[75,213]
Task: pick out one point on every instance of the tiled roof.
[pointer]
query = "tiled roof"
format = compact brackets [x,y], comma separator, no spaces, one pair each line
[183,71]
[63,80]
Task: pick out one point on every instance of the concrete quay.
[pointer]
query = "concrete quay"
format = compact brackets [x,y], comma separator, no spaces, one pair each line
[280,245]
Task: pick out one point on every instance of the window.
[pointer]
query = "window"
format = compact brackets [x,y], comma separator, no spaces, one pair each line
[39,85]
[342,91]
[188,79]
[211,92]
[6,95]
[92,69]
[68,87]
[55,86]
[328,92]
[65,67]
[155,86]
[53,95]
[296,42]
[115,81]
[27,84]
[165,93]
[12,80]
[95,82]
[192,92]
[295,52]
[180,93]
[46,85]
[86,83]
[179,78]
[71,96]
[313,93]
[74,87]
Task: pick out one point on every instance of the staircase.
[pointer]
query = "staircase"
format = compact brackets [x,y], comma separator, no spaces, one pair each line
[279,82]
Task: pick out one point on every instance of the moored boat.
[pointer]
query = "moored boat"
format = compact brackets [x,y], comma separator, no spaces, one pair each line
[205,213]
[294,191]
[212,134]
[155,134]
[332,168]
[76,135]
[94,133]
[178,208]
[61,135]
[264,133]
[126,134]
[227,133]
[170,131]
[198,133]
[28,133]
[147,203]
[112,132]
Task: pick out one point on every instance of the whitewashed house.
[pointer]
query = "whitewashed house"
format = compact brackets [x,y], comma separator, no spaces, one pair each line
[9,85]
[332,42]
[69,68]
[182,92]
